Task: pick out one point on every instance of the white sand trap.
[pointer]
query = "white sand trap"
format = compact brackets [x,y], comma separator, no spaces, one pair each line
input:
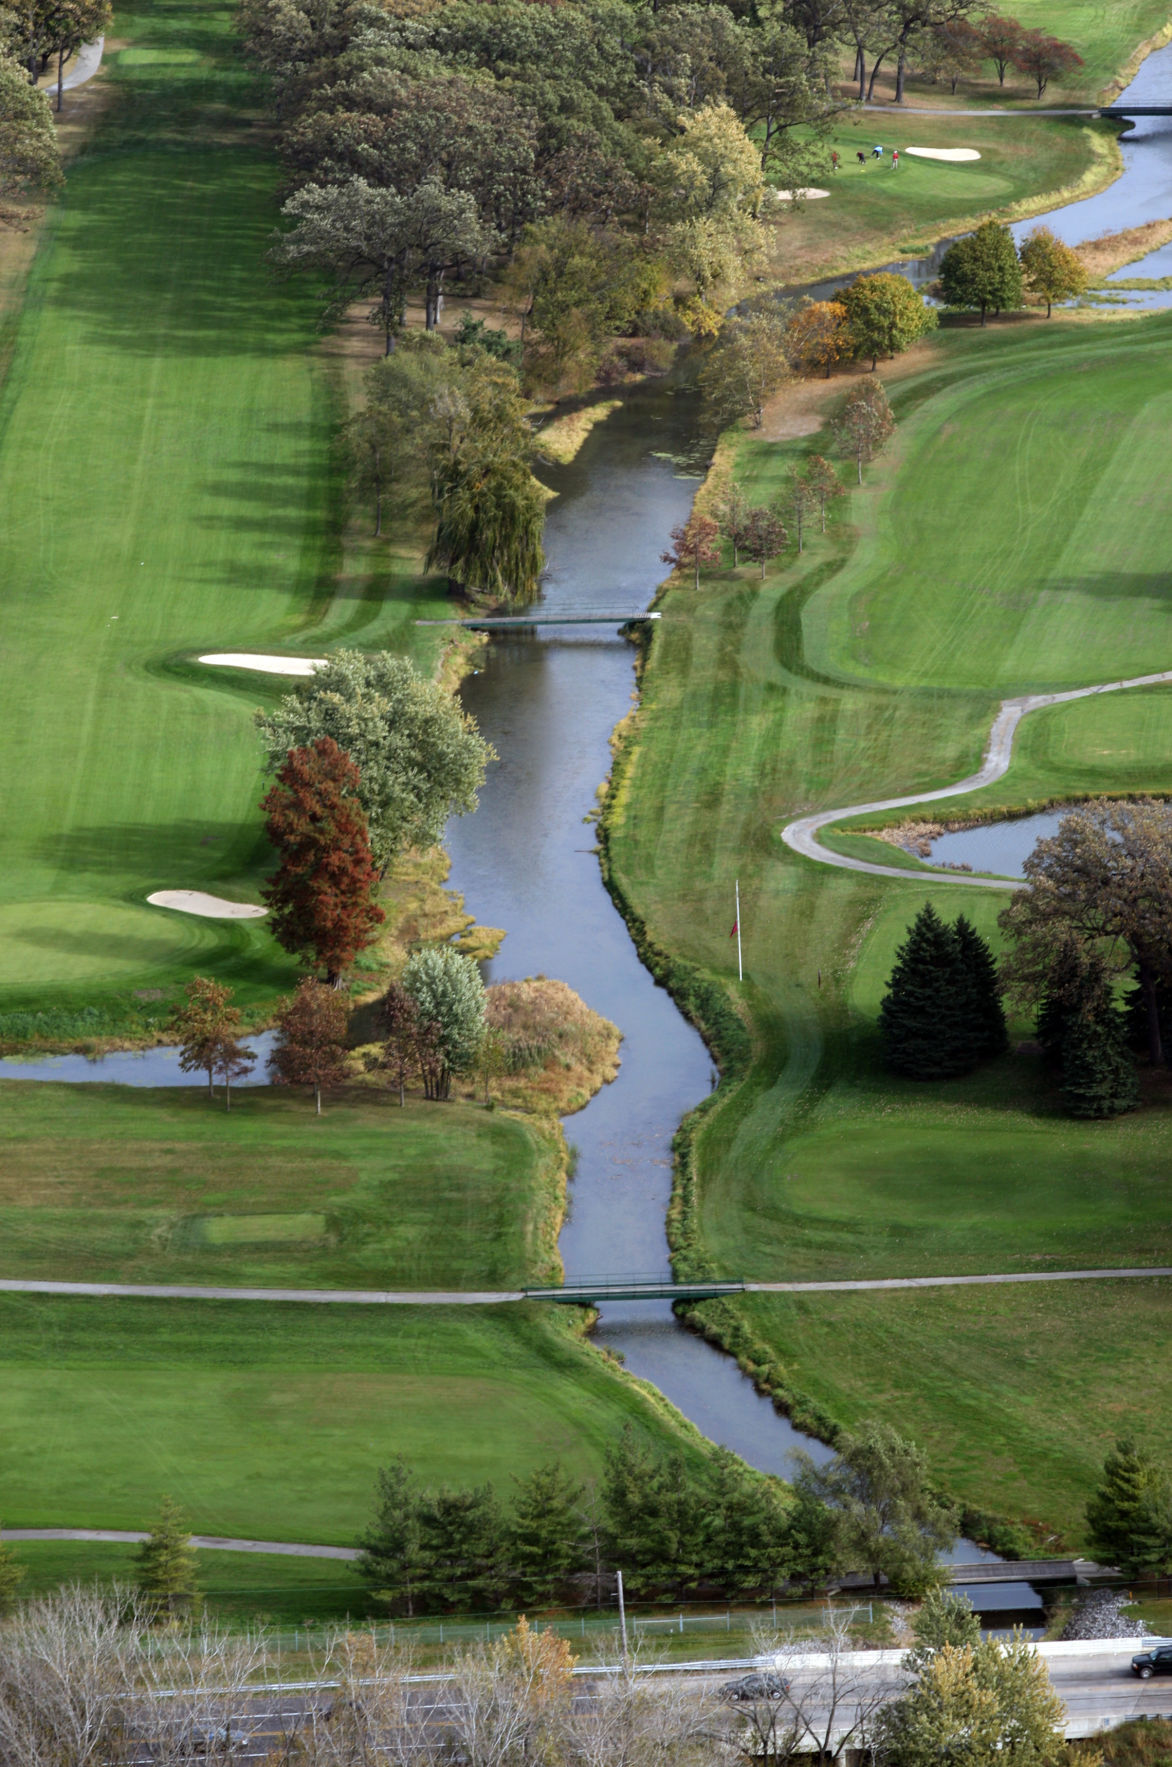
[942,153]
[267,665]
[212,907]
[810,195]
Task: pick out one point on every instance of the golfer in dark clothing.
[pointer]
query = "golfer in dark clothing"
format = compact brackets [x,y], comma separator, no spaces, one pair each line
[861,157]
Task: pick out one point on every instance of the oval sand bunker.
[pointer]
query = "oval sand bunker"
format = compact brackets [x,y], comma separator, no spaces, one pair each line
[267,665]
[810,195]
[942,153]
[211,907]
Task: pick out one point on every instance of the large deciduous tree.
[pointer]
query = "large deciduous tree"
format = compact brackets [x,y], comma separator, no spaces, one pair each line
[208,1027]
[884,315]
[765,536]
[982,270]
[1000,38]
[311,1040]
[889,1521]
[1103,883]
[420,758]
[1044,58]
[449,998]
[693,544]
[1051,269]
[491,515]
[980,1703]
[745,366]
[321,896]
[863,422]
[817,337]
[29,155]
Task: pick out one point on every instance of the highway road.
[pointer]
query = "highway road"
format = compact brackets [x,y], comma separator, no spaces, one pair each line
[1095,1684]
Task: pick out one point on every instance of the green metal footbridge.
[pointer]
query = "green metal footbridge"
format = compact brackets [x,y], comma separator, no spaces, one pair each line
[587,1291]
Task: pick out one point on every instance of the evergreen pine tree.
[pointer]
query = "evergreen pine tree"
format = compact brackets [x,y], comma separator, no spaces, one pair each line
[165,1565]
[1129,1519]
[12,1575]
[924,1015]
[390,1548]
[986,1016]
[1098,1069]
[744,1540]
[546,1534]
[461,1549]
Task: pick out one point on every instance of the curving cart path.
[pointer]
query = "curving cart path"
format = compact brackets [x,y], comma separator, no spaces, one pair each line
[802,834]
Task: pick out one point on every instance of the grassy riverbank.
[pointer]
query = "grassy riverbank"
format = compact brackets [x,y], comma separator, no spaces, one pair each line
[999,547]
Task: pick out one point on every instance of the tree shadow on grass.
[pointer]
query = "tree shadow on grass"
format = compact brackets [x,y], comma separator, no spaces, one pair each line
[164,855]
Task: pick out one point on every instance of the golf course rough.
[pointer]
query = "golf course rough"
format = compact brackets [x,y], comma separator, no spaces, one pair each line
[1009,543]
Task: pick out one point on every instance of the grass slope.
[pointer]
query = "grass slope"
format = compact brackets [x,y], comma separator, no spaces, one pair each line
[117,1183]
[270,1422]
[168,488]
[872,666]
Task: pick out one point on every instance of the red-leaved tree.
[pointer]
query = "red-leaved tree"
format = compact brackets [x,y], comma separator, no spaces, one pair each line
[1044,58]
[694,544]
[311,1040]
[321,897]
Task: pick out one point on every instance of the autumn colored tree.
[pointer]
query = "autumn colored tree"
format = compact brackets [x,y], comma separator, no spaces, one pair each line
[321,897]
[765,537]
[732,513]
[1000,38]
[1045,58]
[799,500]
[950,50]
[1051,269]
[208,1028]
[863,422]
[693,544]
[825,483]
[817,337]
[884,316]
[311,1040]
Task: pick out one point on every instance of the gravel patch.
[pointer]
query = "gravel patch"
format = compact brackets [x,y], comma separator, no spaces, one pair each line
[1100,1615]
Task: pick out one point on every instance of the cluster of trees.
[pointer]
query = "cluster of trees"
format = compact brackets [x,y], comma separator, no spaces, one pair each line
[1094,919]
[443,429]
[434,1021]
[942,1013]
[757,351]
[668,1524]
[1129,1518]
[607,160]
[34,33]
[986,271]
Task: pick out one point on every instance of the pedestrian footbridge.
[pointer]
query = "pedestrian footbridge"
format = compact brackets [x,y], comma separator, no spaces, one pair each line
[591,1290]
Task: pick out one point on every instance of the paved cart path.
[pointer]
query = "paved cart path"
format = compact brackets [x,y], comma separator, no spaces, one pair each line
[802,834]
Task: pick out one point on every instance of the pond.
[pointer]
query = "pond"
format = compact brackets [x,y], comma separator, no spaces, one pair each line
[999,847]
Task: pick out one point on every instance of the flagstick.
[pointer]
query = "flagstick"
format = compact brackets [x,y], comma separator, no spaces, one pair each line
[740,966]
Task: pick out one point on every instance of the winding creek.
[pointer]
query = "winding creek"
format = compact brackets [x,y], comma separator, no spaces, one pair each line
[549,701]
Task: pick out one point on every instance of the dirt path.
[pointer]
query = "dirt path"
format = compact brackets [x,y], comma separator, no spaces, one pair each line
[802,834]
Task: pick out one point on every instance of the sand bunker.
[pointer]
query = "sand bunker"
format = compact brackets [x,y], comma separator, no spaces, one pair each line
[212,907]
[809,195]
[267,665]
[942,153]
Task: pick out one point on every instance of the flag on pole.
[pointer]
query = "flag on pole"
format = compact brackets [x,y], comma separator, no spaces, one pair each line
[735,930]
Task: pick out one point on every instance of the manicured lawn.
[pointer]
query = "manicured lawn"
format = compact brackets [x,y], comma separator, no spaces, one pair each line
[1016,1394]
[168,488]
[270,1422]
[870,667]
[1105,32]
[285,1591]
[116,1183]
[874,212]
